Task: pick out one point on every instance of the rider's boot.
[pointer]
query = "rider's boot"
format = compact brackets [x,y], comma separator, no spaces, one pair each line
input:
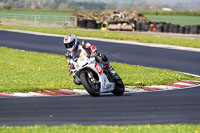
[110,73]
[76,80]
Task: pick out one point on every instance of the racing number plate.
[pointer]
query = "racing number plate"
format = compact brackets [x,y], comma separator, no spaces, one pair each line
[98,68]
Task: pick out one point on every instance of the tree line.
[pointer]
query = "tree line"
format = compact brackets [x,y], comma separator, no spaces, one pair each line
[96,5]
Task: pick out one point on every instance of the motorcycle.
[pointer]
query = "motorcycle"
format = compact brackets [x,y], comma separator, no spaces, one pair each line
[89,72]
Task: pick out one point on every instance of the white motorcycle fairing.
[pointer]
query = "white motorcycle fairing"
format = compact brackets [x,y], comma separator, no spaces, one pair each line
[84,64]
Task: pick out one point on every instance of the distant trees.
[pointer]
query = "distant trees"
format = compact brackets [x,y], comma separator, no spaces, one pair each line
[63,6]
[88,5]
[54,4]
[153,5]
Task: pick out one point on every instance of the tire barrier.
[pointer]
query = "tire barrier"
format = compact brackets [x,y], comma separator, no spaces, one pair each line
[91,24]
[167,28]
[145,26]
[138,26]
[104,26]
[187,29]
[159,28]
[194,29]
[132,25]
[98,25]
[182,29]
[82,23]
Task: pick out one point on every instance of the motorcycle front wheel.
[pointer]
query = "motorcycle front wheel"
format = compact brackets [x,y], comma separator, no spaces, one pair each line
[92,89]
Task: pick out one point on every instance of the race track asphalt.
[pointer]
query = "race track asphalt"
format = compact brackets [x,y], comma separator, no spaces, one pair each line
[169,107]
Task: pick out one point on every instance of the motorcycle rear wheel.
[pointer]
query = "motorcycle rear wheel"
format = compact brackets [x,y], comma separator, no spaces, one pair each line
[88,86]
[119,88]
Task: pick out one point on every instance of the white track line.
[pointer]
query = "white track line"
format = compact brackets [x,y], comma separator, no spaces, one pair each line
[36,94]
[22,94]
[136,90]
[164,87]
[81,92]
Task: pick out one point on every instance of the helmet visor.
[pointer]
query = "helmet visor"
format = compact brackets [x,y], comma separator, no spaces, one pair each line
[69,45]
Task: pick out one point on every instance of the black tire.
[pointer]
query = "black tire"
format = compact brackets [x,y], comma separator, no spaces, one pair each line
[171,28]
[98,25]
[82,23]
[194,29]
[175,28]
[91,24]
[85,81]
[187,29]
[119,88]
[138,26]
[145,26]
[132,21]
[159,28]
[166,28]
[112,22]
[198,32]
[182,29]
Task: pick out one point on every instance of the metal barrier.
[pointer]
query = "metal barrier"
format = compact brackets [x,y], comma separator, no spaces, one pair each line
[38,20]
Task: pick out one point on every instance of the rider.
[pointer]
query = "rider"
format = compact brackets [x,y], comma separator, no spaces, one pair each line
[72,45]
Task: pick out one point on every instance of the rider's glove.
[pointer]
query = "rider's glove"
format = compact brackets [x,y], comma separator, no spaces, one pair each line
[93,54]
[83,43]
[99,54]
[68,55]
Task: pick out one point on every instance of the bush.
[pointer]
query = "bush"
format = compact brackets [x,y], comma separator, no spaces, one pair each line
[171,13]
[7,7]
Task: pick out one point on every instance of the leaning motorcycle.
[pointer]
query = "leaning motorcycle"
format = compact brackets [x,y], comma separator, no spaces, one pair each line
[90,73]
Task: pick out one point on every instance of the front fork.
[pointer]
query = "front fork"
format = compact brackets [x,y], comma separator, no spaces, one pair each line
[93,82]
[91,76]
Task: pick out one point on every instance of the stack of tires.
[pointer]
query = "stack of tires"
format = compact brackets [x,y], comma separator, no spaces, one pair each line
[82,23]
[194,29]
[90,24]
[138,26]
[131,25]
[167,27]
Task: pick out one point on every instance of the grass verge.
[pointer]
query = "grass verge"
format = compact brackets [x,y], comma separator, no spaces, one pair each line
[185,42]
[182,20]
[36,12]
[104,129]
[23,71]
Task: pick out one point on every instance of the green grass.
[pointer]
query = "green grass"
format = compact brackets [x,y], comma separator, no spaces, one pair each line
[185,42]
[31,17]
[182,20]
[23,71]
[173,13]
[104,129]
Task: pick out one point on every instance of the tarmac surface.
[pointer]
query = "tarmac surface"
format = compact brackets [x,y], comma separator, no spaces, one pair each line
[168,107]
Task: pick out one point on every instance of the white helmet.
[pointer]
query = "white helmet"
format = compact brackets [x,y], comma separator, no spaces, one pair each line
[70,41]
